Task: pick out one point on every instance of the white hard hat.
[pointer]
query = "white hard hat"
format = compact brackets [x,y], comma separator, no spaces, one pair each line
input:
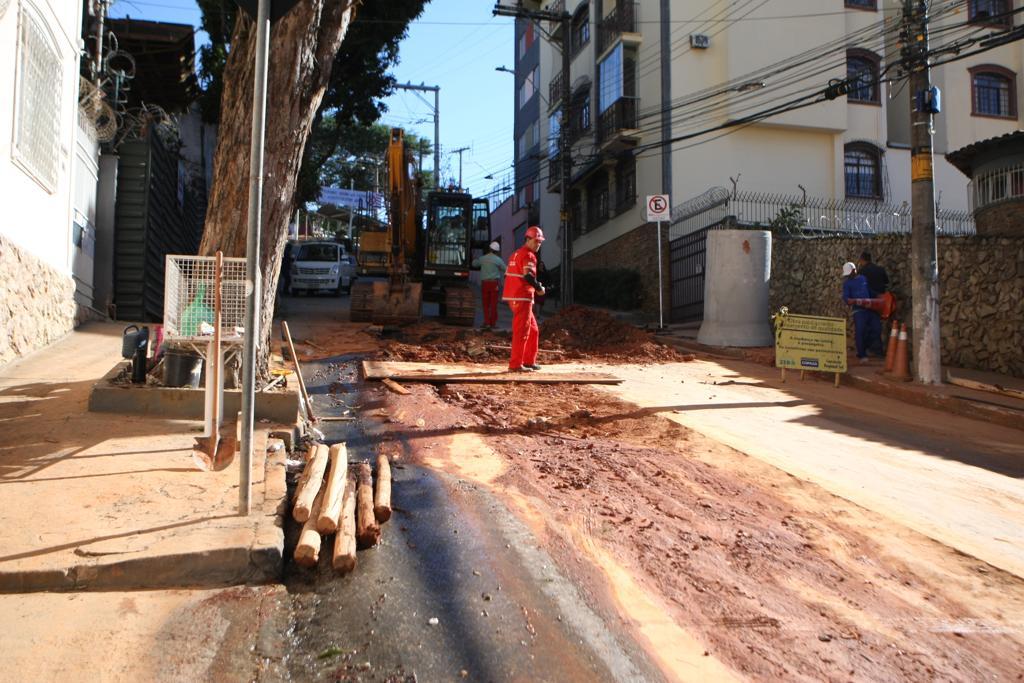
[495,246]
[848,269]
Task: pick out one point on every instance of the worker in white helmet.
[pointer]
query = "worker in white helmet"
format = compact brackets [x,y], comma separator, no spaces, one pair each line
[492,268]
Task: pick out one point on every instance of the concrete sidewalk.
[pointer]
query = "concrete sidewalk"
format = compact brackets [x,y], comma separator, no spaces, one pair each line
[107,501]
[980,405]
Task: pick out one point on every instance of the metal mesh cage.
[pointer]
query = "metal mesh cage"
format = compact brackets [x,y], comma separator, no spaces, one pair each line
[189,298]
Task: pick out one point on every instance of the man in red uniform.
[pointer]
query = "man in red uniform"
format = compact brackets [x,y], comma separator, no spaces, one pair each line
[520,285]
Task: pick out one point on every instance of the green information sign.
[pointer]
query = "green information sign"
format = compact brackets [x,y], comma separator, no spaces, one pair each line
[805,342]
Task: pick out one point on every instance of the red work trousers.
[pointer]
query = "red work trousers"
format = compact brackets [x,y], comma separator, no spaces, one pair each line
[525,335]
[489,294]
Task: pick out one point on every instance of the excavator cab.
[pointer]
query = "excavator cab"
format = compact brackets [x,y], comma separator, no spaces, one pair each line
[448,259]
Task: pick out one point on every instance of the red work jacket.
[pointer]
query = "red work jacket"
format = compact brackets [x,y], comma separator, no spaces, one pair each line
[523,261]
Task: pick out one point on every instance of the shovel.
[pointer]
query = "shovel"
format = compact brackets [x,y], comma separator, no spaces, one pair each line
[212,453]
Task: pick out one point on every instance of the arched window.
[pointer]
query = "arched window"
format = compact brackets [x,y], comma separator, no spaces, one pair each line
[862,71]
[993,92]
[990,12]
[863,171]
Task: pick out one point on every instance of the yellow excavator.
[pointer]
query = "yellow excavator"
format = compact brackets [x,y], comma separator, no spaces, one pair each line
[408,262]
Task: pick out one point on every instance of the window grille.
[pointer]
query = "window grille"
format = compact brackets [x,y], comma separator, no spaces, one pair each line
[38,108]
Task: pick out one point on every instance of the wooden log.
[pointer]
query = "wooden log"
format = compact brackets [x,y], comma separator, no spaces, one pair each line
[330,511]
[394,386]
[344,559]
[307,552]
[382,496]
[310,483]
[367,529]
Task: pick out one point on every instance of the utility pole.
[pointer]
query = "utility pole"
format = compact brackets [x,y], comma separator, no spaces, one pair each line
[564,20]
[437,124]
[923,246]
[459,151]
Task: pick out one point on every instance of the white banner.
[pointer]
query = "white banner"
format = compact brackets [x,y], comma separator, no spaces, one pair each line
[355,198]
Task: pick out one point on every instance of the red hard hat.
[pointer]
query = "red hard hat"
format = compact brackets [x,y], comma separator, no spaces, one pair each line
[535,232]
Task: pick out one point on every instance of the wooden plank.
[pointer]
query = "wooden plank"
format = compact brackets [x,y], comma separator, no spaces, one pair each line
[964,379]
[476,374]
[394,386]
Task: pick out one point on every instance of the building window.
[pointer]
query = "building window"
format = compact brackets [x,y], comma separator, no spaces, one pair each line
[625,185]
[580,29]
[996,12]
[526,38]
[863,171]
[581,111]
[529,87]
[554,130]
[38,101]
[862,72]
[862,4]
[529,139]
[610,78]
[993,92]
[597,201]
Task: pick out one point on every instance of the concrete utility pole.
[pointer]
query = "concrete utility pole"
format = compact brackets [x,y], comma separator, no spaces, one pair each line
[437,124]
[923,246]
[459,151]
[564,19]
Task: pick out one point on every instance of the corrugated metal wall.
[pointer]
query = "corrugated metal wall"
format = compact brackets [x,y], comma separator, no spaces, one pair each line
[151,223]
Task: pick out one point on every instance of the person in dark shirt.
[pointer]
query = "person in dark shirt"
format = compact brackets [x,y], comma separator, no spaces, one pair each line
[878,279]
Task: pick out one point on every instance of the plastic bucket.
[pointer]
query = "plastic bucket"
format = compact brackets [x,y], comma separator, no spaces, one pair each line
[182,368]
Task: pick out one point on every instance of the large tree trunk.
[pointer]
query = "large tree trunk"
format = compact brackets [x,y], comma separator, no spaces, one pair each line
[303,45]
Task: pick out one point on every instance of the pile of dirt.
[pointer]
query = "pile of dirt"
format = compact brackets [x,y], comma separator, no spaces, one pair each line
[589,333]
[574,333]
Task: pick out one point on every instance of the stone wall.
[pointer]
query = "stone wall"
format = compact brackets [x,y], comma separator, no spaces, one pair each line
[981,283]
[636,250]
[37,305]
[1005,219]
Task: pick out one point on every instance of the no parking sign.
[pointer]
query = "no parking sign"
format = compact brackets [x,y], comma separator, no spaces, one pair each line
[658,208]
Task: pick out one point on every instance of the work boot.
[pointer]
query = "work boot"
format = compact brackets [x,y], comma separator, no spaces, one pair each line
[524,368]
[533,367]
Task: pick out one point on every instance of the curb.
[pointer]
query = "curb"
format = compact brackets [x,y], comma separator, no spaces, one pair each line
[262,561]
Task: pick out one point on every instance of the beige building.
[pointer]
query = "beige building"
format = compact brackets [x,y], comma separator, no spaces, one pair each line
[725,60]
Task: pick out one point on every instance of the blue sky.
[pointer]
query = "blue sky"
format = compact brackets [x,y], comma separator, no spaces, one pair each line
[455,44]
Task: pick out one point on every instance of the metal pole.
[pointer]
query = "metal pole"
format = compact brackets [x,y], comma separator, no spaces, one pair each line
[666,100]
[351,186]
[437,138]
[566,170]
[252,255]
[924,250]
[101,16]
[661,314]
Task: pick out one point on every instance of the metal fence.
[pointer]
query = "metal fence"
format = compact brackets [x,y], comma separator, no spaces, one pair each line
[802,216]
[189,298]
[997,186]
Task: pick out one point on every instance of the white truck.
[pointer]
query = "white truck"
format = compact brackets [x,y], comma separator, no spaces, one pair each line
[320,267]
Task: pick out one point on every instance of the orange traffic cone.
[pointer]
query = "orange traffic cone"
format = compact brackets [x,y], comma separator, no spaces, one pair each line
[890,350]
[901,367]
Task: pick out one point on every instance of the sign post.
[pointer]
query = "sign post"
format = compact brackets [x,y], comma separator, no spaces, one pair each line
[659,209]
[806,342]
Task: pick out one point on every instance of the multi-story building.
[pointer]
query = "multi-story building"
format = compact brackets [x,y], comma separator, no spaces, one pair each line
[661,88]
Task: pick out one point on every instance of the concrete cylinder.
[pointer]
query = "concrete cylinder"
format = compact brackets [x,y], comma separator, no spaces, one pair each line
[739,264]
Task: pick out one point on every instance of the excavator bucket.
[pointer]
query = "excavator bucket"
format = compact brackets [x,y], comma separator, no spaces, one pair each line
[396,304]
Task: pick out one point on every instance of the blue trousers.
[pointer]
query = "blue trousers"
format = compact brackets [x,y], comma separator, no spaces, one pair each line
[867,331]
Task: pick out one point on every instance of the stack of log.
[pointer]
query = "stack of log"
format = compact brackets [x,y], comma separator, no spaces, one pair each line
[344,503]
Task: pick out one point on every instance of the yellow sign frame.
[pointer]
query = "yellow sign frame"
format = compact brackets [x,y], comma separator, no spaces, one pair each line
[807,342]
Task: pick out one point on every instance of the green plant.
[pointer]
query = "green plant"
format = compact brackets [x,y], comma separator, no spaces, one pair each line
[789,220]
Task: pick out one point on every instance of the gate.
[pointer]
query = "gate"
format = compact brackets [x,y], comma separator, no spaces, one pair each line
[686,274]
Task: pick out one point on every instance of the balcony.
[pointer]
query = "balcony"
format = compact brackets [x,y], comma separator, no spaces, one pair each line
[621,20]
[617,125]
[555,90]
[556,7]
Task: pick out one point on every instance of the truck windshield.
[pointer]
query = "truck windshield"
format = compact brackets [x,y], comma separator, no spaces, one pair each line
[447,239]
[317,252]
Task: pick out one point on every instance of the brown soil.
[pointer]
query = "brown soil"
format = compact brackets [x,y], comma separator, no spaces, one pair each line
[779,579]
[574,333]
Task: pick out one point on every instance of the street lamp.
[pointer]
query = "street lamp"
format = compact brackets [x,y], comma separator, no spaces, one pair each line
[505,69]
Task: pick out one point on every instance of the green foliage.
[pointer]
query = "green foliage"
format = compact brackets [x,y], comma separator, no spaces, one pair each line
[789,220]
[352,101]
[617,288]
